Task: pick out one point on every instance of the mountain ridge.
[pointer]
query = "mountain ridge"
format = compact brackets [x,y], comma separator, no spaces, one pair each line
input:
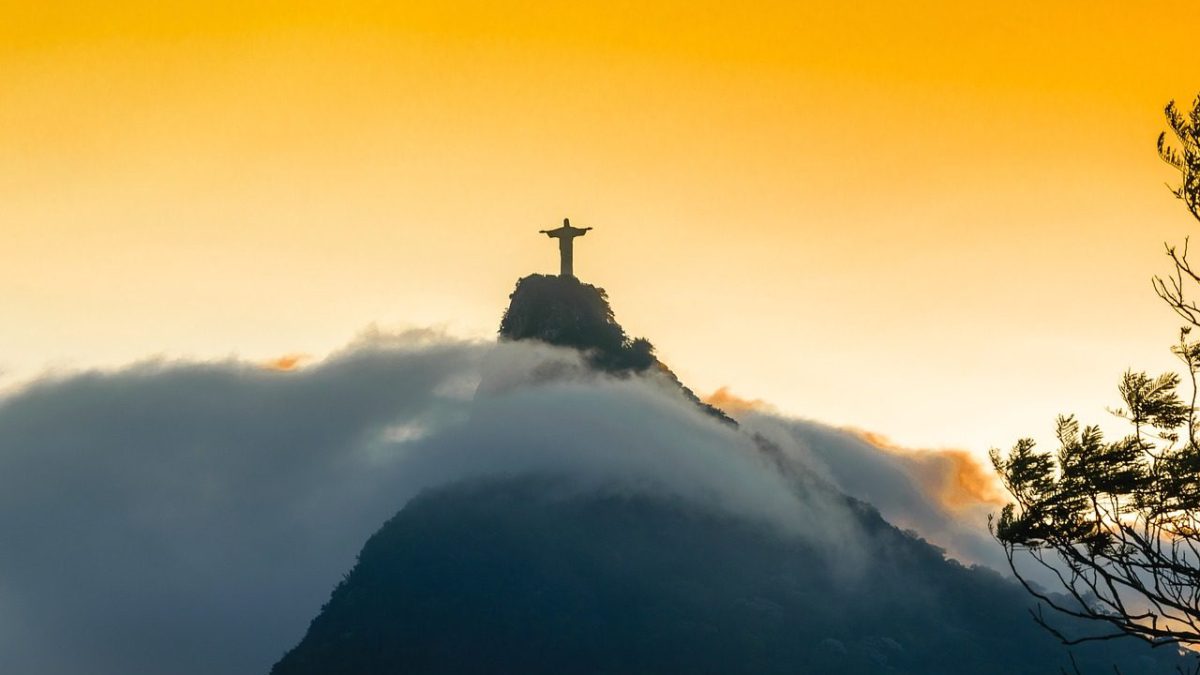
[536,573]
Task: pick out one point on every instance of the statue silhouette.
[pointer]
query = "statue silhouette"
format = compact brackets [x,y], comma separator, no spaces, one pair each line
[565,236]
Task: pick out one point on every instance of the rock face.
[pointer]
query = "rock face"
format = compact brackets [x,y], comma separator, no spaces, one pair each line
[566,312]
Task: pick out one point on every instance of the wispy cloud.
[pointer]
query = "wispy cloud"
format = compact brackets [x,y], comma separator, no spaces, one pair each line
[286,362]
[192,517]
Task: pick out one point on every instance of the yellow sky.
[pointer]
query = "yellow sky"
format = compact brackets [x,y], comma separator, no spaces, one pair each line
[932,220]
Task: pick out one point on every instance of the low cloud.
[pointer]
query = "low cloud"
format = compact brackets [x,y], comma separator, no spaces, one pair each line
[286,362]
[958,480]
[733,404]
[943,495]
[192,517]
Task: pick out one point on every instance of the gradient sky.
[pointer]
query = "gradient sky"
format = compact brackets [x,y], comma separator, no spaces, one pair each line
[936,221]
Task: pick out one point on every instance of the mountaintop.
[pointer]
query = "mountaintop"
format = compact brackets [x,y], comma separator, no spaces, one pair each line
[566,312]
[547,573]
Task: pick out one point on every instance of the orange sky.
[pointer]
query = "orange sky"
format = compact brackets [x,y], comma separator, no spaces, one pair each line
[933,220]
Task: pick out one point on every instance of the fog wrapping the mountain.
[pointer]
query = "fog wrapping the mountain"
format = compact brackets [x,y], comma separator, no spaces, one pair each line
[193,517]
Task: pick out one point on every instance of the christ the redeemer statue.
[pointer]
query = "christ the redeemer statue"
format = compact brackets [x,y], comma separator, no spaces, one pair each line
[565,236]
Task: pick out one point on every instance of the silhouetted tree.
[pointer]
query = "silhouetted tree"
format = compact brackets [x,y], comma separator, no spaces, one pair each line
[1116,524]
[1186,160]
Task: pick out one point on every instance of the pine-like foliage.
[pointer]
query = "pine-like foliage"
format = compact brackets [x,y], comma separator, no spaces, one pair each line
[1117,523]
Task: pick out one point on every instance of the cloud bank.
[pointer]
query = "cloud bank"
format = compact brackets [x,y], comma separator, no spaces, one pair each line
[192,517]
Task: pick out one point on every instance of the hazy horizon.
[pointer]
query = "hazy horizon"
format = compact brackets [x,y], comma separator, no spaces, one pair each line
[935,223]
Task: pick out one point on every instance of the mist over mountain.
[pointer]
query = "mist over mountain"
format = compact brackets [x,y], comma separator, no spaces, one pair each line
[764,566]
[535,575]
[192,517]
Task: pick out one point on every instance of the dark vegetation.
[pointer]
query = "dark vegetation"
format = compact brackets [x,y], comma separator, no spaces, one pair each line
[1117,523]
[528,576]
[566,312]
